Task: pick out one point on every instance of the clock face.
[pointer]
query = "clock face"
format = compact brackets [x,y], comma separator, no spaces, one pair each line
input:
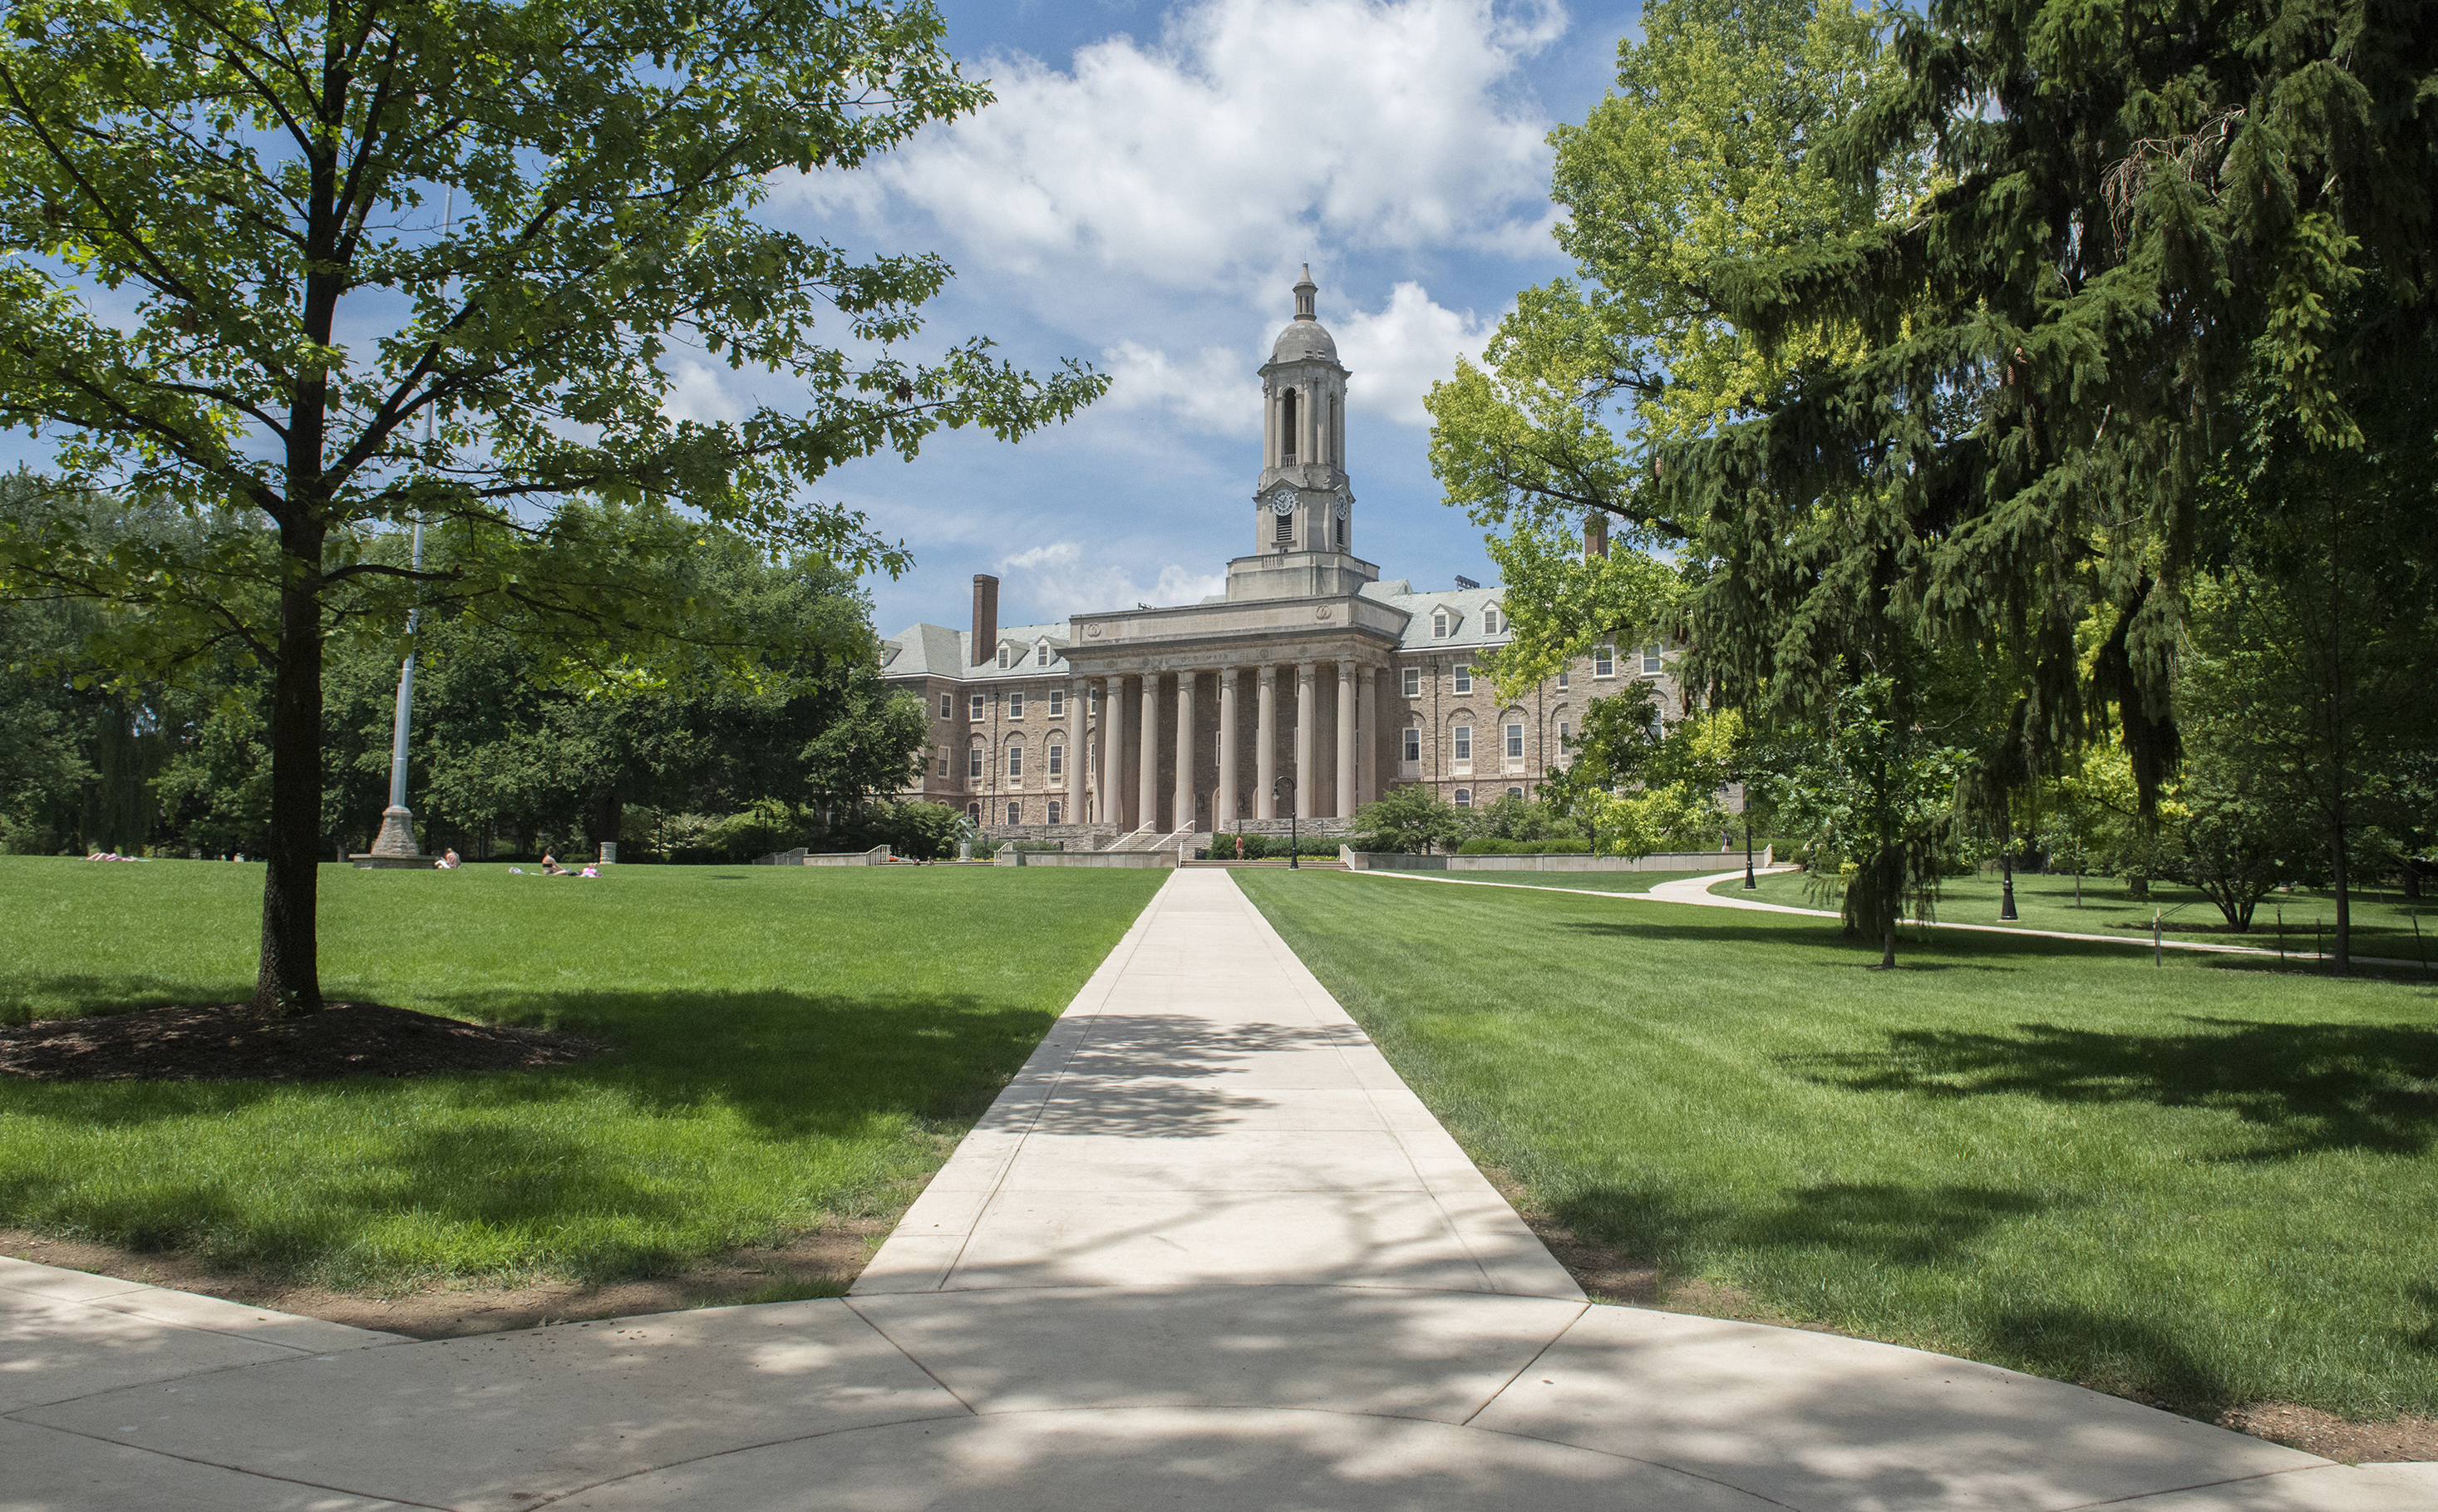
[1282,502]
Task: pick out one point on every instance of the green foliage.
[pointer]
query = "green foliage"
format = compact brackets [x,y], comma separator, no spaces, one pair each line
[1555,845]
[1277,847]
[192,211]
[1410,820]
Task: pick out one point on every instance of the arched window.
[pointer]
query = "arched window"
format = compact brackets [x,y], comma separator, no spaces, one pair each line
[974,812]
[1465,798]
[1287,429]
[1056,810]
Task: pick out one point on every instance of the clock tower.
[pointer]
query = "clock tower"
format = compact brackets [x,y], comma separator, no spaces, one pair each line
[1304,507]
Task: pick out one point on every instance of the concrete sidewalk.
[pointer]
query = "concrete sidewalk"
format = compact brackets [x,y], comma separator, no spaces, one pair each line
[1205,1252]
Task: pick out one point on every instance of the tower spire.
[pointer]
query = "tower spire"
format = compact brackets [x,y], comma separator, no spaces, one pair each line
[1304,289]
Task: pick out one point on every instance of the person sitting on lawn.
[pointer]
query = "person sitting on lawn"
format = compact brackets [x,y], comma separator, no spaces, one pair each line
[448,861]
[550,866]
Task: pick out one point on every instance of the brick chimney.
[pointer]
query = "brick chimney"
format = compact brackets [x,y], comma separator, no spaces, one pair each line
[1595,536]
[985,617]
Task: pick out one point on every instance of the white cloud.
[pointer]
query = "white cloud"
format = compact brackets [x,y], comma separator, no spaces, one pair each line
[1250,135]
[698,393]
[1058,580]
[1399,353]
[1212,392]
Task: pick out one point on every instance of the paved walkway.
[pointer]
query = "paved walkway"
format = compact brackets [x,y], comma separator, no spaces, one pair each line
[1205,1252]
[1696,890]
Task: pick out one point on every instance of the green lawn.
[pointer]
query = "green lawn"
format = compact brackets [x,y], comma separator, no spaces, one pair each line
[793,1044]
[2383,924]
[1583,881]
[2211,1182]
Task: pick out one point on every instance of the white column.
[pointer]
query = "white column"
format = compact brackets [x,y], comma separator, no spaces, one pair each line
[1078,695]
[1345,793]
[1148,784]
[1113,754]
[1223,808]
[1184,792]
[1265,744]
[1367,749]
[1307,703]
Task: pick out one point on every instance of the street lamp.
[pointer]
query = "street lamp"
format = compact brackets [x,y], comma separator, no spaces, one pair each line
[1283,791]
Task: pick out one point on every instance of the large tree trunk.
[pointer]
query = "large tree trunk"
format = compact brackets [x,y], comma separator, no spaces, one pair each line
[608,818]
[289,980]
[2337,873]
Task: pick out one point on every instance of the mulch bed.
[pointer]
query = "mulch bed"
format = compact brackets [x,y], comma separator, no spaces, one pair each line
[227,1042]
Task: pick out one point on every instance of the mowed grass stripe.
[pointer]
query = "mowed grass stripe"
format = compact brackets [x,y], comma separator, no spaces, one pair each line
[2209,1183]
[793,1045]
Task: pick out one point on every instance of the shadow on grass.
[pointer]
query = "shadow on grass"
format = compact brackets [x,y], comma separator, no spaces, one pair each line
[1884,1223]
[491,1152]
[2312,1086]
[77,996]
[1807,1248]
[792,1063]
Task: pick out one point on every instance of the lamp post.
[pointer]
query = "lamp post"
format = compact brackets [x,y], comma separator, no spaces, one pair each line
[397,837]
[1283,791]
[1750,886]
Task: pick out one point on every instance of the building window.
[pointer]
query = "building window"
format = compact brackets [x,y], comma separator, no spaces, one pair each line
[1092,699]
[1413,682]
[1514,792]
[1464,743]
[1439,624]
[1652,665]
[1015,762]
[1464,679]
[1493,622]
[1563,678]
[944,767]
[974,763]
[1015,703]
[1287,428]
[1041,655]
[1563,733]
[1002,658]
[1057,703]
[974,812]
[947,706]
[1014,813]
[1413,753]
[1603,661]
[1057,760]
[1516,742]
[974,708]
[1341,533]
[1056,810]
[1465,798]
[1286,530]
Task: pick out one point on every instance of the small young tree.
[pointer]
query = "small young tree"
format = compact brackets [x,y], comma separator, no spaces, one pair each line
[1870,799]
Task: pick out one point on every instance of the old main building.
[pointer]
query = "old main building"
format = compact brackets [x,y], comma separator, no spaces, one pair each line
[1308,687]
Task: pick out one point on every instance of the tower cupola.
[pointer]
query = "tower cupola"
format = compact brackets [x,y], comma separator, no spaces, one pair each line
[1302,502]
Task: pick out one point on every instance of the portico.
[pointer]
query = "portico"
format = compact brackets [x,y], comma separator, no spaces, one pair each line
[1311,668]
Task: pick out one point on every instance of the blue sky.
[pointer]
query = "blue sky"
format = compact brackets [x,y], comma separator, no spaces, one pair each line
[1140,198]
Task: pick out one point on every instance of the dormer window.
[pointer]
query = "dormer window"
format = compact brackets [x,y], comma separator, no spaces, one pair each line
[1439,624]
[1493,622]
[1041,655]
[1005,660]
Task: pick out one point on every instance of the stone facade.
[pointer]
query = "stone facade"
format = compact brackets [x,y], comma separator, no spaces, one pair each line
[1308,688]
